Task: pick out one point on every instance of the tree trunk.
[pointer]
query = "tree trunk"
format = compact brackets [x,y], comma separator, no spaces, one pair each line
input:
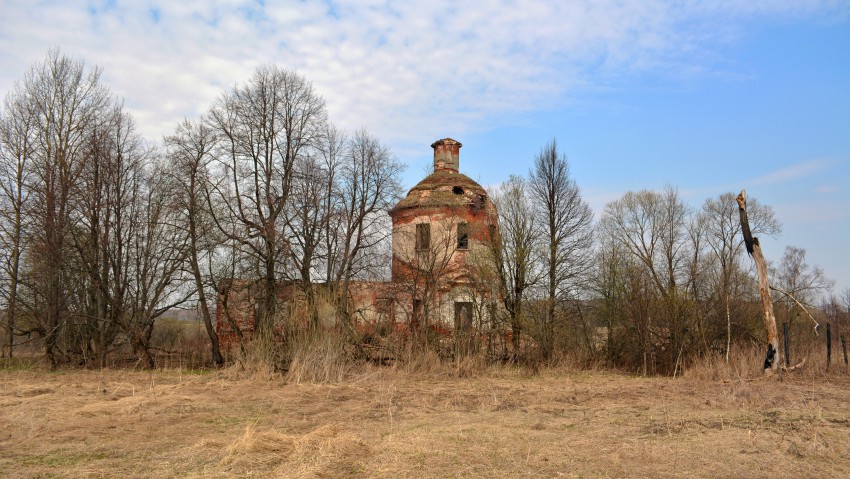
[224,294]
[12,309]
[11,315]
[772,360]
[728,327]
[215,350]
[516,328]
[194,211]
[342,296]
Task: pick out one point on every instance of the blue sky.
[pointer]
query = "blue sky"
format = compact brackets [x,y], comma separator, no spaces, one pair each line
[705,96]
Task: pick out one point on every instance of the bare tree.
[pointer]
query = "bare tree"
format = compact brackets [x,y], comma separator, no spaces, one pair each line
[105,204]
[801,284]
[566,222]
[515,251]
[158,250]
[651,227]
[264,127]
[609,286]
[306,220]
[838,315]
[101,249]
[17,127]
[484,289]
[337,218]
[333,153]
[66,100]
[798,278]
[636,222]
[368,186]
[698,277]
[189,152]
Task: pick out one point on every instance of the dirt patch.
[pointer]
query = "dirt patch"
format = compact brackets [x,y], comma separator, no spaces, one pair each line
[499,424]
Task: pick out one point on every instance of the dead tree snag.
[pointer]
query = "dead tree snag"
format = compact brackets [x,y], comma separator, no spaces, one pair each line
[772,360]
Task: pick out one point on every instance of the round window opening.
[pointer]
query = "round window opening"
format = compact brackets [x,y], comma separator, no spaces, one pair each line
[457,190]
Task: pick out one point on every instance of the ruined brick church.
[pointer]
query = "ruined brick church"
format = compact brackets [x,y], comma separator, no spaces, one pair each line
[442,266]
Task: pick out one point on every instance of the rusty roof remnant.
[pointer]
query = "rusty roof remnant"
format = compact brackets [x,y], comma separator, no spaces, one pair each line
[445,187]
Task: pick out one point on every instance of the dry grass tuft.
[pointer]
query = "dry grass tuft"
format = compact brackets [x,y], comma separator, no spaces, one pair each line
[423,362]
[258,447]
[745,363]
[428,364]
[468,367]
[254,362]
[320,358]
[323,452]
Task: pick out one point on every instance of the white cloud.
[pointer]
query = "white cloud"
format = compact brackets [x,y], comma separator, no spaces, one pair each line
[790,173]
[827,189]
[404,70]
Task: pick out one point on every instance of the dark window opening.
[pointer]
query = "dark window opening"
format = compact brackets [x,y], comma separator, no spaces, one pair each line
[457,190]
[423,236]
[463,316]
[462,236]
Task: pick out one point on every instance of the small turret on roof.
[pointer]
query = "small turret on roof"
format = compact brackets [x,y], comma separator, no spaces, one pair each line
[446,154]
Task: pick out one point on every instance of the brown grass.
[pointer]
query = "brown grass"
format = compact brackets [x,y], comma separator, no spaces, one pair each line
[462,421]
[319,358]
[746,362]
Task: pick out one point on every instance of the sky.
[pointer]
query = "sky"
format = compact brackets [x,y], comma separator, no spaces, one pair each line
[705,96]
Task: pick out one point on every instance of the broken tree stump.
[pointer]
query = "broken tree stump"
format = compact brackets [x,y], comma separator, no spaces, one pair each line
[771,360]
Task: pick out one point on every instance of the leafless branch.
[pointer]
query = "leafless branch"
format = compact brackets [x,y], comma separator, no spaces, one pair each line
[786,293]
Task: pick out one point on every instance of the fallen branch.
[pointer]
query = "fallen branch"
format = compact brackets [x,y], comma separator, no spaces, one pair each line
[796,366]
[786,293]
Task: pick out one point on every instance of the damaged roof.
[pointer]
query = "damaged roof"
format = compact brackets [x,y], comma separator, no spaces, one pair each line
[444,188]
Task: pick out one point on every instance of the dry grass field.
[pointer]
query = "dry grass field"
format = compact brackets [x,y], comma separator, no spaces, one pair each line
[499,422]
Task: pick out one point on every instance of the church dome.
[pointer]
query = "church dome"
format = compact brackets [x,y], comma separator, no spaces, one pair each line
[445,187]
